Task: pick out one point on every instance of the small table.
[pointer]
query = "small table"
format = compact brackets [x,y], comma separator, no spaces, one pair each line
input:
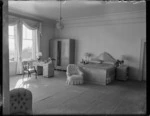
[45,69]
[122,72]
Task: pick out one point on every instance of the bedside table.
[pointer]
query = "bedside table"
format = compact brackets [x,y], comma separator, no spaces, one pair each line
[122,72]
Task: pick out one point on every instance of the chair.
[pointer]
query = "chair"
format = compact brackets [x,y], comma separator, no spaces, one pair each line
[20,101]
[74,75]
[29,68]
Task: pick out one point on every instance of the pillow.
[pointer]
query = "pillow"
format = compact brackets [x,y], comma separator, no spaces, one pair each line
[109,62]
[95,60]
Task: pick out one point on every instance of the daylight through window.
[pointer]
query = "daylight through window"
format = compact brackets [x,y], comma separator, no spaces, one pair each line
[12,50]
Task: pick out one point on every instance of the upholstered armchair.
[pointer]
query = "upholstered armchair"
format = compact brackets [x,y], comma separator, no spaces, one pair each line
[74,74]
[20,101]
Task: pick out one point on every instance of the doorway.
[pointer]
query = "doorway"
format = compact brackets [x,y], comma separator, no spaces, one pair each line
[144,63]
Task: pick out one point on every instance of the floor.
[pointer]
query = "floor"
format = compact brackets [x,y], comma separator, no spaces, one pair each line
[54,96]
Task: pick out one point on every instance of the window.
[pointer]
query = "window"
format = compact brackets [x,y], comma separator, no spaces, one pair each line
[12,50]
[27,44]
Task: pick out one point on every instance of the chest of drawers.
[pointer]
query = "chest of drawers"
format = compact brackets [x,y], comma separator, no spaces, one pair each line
[122,72]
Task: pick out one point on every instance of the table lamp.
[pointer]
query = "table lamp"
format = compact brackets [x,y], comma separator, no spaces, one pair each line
[39,56]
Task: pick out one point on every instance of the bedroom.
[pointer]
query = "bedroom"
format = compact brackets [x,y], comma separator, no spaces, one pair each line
[117,28]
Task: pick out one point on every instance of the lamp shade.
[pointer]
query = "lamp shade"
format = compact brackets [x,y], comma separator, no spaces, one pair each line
[39,54]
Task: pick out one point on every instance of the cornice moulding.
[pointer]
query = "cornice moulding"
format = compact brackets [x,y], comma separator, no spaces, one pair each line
[138,16]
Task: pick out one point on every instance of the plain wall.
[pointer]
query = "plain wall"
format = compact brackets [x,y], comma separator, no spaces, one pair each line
[118,34]
[12,68]
[47,34]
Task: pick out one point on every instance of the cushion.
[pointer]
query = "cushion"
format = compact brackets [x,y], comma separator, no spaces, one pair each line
[95,60]
[109,62]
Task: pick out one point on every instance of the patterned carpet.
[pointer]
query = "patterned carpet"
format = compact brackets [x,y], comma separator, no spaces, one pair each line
[54,96]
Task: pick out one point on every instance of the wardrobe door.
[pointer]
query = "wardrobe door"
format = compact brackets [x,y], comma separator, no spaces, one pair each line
[72,51]
[59,48]
[53,50]
[65,53]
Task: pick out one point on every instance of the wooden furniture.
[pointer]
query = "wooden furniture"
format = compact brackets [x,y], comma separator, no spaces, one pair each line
[63,51]
[46,69]
[29,68]
[102,74]
[122,72]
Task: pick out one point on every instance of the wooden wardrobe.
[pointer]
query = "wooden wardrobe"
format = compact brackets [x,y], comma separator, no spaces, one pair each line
[63,51]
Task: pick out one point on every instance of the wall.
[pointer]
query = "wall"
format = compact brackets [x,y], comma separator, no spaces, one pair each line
[118,34]
[47,33]
[5,68]
[12,68]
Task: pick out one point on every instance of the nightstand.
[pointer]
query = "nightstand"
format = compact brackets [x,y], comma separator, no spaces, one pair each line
[122,72]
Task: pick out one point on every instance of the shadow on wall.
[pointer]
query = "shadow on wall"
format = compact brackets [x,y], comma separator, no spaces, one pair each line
[133,73]
[133,64]
[76,50]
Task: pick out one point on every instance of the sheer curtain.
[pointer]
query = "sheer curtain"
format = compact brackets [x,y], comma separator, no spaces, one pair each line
[19,47]
[36,34]
[18,41]
[33,25]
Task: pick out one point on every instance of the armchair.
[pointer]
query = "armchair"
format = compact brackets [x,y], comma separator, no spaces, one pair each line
[74,74]
[20,101]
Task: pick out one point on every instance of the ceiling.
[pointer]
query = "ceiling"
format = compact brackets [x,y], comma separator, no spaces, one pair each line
[49,9]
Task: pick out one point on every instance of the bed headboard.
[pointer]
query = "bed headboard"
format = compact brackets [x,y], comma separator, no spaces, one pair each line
[106,57]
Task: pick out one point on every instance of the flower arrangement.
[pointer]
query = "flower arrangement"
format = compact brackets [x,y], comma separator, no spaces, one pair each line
[86,57]
[119,62]
[39,54]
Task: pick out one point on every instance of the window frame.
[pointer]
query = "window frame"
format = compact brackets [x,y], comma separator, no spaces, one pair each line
[14,39]
[26,38]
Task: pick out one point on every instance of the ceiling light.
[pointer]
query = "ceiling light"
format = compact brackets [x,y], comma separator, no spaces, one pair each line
[59,24]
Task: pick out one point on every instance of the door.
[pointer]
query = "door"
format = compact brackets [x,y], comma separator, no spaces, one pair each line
[59,53]
[65,54]
[144,63]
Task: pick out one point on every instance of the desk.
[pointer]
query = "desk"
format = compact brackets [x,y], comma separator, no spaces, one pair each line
[45,69]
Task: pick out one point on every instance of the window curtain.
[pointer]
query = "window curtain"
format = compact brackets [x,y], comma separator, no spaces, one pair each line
[18,41]
[19,47]
[36,28]
[13,21]
[34,25]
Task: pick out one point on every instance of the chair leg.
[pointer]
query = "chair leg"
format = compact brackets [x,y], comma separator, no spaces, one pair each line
[35,74]
[29,74]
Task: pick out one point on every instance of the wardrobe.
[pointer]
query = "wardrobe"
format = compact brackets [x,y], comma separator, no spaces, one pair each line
[63,51]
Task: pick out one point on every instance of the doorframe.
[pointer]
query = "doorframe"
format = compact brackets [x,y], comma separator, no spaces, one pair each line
[143,41]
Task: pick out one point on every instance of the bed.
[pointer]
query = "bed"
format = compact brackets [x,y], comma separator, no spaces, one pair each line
[101,73]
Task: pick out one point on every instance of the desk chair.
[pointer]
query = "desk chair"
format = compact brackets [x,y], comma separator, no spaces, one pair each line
[28,68]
